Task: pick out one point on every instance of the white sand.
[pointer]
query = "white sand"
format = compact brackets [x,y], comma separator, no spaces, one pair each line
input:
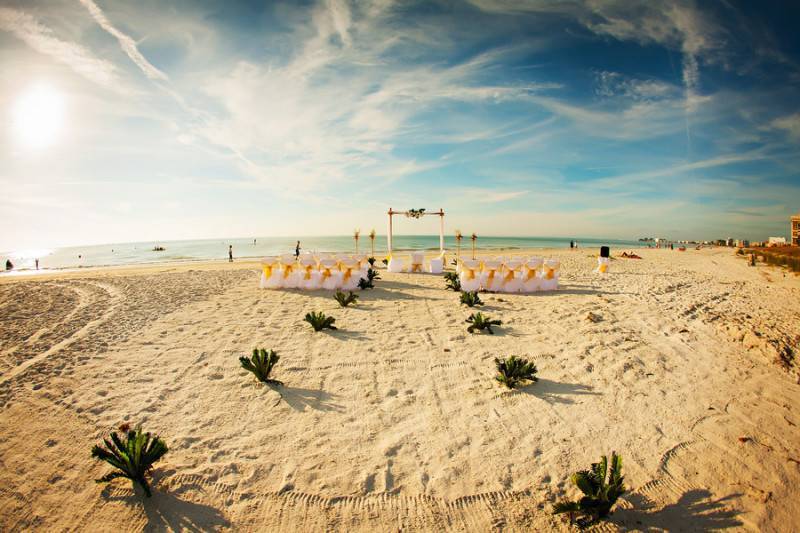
[394,422]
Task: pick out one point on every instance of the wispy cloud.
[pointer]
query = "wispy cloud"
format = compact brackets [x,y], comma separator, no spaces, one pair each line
[126,42]
[42,39]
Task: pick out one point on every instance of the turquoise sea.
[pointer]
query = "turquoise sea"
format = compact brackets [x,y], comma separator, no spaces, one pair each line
[208,249]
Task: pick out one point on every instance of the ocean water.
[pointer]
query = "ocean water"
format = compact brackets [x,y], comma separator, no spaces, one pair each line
[209,249]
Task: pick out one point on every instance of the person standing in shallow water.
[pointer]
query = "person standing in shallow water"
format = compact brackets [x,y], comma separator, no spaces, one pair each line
[230,253]
[37,264]
[297,250]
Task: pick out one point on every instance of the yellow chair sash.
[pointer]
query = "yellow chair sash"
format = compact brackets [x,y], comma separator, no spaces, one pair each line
[491,275]
[287,269]
[416,267]
[308,272]
[551,272]
[603,267]
[469,271]
[326,273]
[347,273]
[509,275]
[267,271]
[531,273]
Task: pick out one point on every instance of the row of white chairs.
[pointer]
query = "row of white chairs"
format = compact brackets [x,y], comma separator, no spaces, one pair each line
[415,262]
[311,272]
[509,275]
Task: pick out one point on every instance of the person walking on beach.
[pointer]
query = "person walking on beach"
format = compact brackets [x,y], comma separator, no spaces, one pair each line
[571,245]
[230,253]
[297,250]
[37,264]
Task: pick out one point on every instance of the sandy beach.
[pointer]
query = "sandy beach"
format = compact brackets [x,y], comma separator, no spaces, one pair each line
[394,422]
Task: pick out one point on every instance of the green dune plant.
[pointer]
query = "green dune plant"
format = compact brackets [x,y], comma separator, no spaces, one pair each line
[320,321]
[261,364]
[345,299]
[367,283]
[479,322]
[512,371]
[132,455]
[601,486]
[452,281]
[471,299]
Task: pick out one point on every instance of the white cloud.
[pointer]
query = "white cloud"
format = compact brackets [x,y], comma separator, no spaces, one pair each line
[790,124]
[43,40]
[126,42]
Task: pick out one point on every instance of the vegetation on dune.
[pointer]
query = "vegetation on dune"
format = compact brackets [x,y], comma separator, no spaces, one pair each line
[479,322]
[452,280]
[512,371]
[320,321]
[471,299]
[601,486]
[345,299]
[371,261]
[261,364]
[132,457]
[785,256]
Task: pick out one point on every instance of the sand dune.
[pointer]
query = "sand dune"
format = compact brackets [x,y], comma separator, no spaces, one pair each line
[394,422]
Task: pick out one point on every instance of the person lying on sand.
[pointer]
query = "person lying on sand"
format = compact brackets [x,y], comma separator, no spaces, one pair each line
[630,255]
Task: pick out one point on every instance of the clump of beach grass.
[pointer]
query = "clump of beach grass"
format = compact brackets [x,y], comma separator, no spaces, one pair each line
[601,486]
[480,322]
[512,371]
[260,364]
[320,321]
[132,454]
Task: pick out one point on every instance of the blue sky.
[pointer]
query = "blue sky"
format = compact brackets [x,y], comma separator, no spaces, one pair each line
[525,117]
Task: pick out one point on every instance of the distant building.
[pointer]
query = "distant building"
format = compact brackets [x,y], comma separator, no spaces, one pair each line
[777,241]
[796,230]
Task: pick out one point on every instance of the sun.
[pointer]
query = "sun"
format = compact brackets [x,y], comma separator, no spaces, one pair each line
[38,117]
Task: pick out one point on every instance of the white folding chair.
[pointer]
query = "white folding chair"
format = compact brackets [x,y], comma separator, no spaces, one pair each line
[329,273]
[491,278]
[531,275]
[350,274]
[512,276]
[270,273]
[308,277]
[550,275]
[417,259]
[470,275]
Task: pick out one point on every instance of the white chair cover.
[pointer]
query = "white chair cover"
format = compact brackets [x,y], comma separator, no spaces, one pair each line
[603,263]
[330,274]
[308,277]
[512,276]
[437,264]
[470,275]
[350,274]
[550,275]
[531,275]
[395,264]
[491,277]
[288,266]
[270,273]
[417,260]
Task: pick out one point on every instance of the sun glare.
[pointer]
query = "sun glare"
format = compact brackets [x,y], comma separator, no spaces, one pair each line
[38,117]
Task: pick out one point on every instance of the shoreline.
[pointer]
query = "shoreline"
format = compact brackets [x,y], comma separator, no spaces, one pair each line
[254,261]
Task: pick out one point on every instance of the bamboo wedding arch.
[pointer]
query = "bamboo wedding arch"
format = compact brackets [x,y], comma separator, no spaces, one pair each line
[417,213]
